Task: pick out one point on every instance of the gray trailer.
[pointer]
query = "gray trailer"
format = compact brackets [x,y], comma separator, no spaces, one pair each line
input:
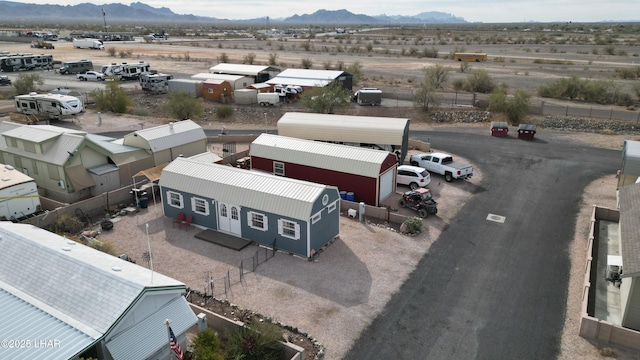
[367,96]
[193,87]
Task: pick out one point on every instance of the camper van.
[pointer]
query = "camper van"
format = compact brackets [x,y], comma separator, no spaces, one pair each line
[75,67]
[55,105]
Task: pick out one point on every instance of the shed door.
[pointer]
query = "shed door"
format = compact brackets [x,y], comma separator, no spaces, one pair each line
[229,218]
[386,184]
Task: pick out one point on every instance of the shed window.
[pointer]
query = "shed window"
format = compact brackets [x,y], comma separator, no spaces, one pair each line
[278,168]
[53,172]
[175,199]
[200,206]
[316,218]
[34,165]
[257,221]
[289,229]
[331,207]
[29,146]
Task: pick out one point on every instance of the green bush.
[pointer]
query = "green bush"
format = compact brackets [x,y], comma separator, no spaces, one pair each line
[68,223]
[262,341]
[182,105]
[111,51]
[480,81]
[206,346]
[112,98]
[413,224]
[224,111]
[306,63]
[26,83]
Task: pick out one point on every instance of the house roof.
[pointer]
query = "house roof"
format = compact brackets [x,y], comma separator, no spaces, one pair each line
[58,154]
[630,229]
[253,189]
[170,135]
[84,290]
[342,158]
[341,128]
[9,177]
[241,69]
[206,157]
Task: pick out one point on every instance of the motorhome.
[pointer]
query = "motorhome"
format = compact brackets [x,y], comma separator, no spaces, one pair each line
[88,44]
[75,67]
[134,70]
[18,62]
[55,106]
[477,57]
[19,196]
[114,70]
[157,83]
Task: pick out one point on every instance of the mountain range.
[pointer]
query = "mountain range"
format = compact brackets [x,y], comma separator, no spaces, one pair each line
[139,12]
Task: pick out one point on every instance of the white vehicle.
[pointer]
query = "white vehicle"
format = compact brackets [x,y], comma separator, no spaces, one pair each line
[133,71]
[88,44]
[268,99]
[91,75]
[55,105]
[18,194]
[155,83]
[112,70]
[442,164]
[413,176]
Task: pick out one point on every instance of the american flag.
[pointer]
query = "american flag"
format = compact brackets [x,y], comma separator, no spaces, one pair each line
[175,346]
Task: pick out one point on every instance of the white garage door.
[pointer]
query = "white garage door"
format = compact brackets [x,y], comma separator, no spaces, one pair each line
[387,183]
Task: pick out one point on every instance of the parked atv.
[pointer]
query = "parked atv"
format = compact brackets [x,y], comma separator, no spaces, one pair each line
[4,80]
[420,200]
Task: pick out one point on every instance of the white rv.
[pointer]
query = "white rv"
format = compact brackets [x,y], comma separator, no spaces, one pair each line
[113,70]
[18,194]
[133,71]
[55,105]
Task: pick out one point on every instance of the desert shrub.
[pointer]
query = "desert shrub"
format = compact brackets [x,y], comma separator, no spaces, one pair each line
[224,111]
[413,225]
[68,223]
[306,63]
[26,83]
[354,69]
[224,58]
[272,58]
[111,51]
[249,58]
[480,81]
[628,73]
[327,99]
[458,84]
[262,341]
[182,105]
[112,98]
[206,346]
[430,52]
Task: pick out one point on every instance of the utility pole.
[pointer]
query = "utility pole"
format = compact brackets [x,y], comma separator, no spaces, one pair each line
[104,19]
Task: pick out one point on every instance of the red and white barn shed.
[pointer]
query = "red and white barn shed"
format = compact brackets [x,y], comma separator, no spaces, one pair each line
[369,174]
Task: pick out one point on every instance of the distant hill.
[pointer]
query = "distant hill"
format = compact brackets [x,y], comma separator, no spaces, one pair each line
[142,13]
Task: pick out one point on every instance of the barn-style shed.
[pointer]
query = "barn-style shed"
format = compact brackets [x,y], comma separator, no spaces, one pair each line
[370,174]
[296,216]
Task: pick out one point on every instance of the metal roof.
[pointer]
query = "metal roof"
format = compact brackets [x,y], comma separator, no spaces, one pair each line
[170,135]
[110,144]
[630,229]
[299,82]
[207,76]
[9,177]
[152,332]
[87,289]
[342,158]
[311,74]
[241,69]
[257,190]
[57,154]
[206,157]
[22,321]
[341,128]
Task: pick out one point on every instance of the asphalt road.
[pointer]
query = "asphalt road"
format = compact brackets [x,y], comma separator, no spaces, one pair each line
[491,290]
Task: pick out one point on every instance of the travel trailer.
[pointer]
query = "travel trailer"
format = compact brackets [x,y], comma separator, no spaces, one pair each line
[133,71]
[155,83]
[55,105]
[18,62]
[18,194]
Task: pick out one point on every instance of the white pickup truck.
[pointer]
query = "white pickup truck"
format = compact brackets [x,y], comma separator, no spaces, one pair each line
[442,164]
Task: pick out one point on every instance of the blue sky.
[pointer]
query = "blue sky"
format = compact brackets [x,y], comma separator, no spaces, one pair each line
[487,11]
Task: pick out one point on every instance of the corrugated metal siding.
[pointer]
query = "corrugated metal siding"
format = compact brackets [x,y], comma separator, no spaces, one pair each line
[20,320]
[150,335]
[342,158]
[257,190]
[311,74]
[343,128]
[208,76]
[33,134]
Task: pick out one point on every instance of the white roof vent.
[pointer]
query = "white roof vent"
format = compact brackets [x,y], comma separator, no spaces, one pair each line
[5,179]
[116,268]
[9,167]
[66,249]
